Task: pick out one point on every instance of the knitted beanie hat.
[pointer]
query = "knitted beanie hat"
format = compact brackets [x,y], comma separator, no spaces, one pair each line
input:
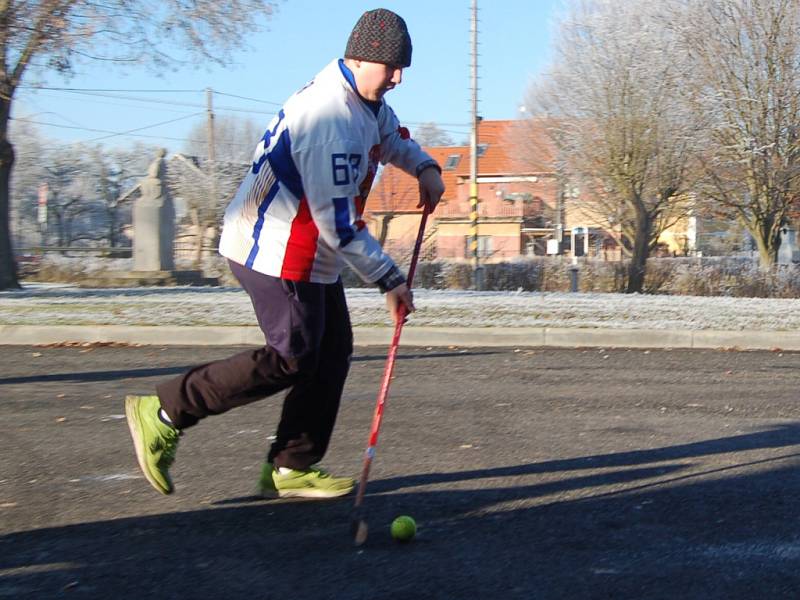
[380,36]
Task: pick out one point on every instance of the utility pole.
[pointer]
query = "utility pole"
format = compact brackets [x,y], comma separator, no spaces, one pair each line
[212,172]
[212,155]
[477,274]
[560,198]
[41,216]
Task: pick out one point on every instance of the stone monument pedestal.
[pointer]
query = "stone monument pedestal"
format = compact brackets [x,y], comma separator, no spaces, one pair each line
[154,222]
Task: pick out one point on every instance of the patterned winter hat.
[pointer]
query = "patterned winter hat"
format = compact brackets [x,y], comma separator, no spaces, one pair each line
[380,36]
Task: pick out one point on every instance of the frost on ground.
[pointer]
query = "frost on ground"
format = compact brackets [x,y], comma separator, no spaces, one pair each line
[47,304]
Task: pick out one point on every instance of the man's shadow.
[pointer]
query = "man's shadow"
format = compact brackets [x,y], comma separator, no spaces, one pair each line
[118,374]
[653,523]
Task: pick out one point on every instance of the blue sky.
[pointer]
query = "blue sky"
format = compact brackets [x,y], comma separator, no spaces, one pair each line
[304,35]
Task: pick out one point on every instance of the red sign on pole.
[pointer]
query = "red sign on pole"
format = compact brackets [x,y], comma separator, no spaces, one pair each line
[42,216]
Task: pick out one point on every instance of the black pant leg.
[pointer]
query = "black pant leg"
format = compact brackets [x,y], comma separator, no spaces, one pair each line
[217,387]
[291,315]
[312,405]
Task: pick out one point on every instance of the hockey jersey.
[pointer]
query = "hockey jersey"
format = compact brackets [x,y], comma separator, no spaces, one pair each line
[298,212]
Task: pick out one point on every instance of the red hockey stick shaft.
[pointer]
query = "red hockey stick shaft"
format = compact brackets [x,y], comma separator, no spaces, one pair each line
[388,370]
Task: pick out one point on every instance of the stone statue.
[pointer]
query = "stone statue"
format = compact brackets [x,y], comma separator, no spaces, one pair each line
[154,221]
[787,251]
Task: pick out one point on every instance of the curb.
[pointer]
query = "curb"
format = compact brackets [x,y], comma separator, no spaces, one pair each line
[168,335]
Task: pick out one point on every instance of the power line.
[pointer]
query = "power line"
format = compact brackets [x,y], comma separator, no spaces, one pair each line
[451,131]
[246,98]
[144,91]
[101,94]
[143,128]
[163,101]
[111,133]
[105,103]
[131,132]
[245,110]
[464,125]
[110,93]
[116,94]
[67,89]
[163,109]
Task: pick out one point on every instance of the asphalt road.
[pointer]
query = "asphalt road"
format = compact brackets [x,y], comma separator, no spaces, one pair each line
[532,474]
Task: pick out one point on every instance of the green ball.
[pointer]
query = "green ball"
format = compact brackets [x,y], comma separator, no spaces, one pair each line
[404,529]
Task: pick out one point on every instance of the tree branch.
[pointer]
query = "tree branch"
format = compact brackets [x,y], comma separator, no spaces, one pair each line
[50,11]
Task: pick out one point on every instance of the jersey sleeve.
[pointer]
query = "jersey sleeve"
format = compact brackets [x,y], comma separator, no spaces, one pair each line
[398,148]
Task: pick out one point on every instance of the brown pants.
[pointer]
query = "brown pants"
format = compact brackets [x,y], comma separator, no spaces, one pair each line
[309,346]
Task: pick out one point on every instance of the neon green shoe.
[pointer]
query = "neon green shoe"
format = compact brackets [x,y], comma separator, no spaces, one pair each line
[154,440]
[308,483]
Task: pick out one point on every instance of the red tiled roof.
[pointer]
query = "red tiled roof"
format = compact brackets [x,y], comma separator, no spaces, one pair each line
[507,148]
[507,143]
[397,191]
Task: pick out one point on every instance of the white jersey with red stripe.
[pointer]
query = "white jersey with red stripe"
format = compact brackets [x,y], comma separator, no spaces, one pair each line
[298,212]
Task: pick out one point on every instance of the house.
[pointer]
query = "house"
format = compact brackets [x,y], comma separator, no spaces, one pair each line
[525,208]
[521,209]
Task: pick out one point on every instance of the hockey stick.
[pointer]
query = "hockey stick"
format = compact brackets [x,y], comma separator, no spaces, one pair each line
[359,522]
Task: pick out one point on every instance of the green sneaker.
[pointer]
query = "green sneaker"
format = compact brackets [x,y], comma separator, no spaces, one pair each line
[308,483]
[154,440]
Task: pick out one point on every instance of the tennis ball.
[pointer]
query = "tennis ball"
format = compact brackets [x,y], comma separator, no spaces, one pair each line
[404,529]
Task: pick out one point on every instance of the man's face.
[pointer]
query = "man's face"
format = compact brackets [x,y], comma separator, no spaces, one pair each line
[375,79]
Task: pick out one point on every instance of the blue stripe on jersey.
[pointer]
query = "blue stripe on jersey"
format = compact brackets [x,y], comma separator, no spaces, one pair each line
[341,207]
[266,139]
[262,209]
[282,163]
[286,173]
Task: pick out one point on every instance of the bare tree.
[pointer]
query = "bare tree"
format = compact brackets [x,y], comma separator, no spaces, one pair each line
[745,85]
[623,133]
[84,187]
[190,182]
[430,134]
[235,139]
[52,34]
[69,188]
[206,189]
[29,174]
[191,174]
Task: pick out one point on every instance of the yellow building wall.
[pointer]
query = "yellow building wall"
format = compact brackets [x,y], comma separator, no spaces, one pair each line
[499,229]
[675,237]
[400,227]
[453,229]
[576,215]
[505,240]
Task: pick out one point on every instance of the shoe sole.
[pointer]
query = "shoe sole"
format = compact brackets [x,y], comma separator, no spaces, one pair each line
[133,426]
[305,493]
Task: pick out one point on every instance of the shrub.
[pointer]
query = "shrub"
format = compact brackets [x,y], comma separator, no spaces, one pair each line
[711,276]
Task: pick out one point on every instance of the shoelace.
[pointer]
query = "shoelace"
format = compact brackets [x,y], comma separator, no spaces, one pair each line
[168,445]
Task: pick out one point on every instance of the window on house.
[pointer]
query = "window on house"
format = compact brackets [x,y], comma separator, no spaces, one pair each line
[484,246]
[482,149]
[452,162]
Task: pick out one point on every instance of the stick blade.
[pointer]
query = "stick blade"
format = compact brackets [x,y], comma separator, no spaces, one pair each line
[360,531]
